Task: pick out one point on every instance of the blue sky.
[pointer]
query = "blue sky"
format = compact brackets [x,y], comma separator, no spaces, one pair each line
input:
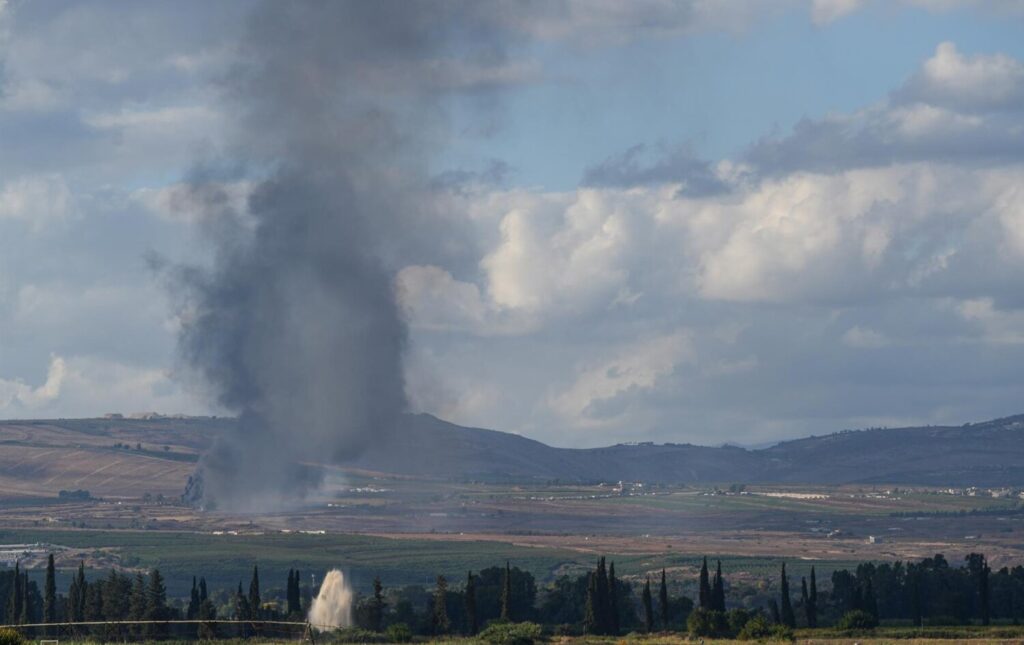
[717,91]
[667,221]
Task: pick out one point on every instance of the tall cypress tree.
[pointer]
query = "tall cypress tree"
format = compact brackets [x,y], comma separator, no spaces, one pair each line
[377,606]
[704,594]
[50,593]
[207,613]
[472,626]
[439,617]
[718,590]
[193,601]
[156,604]
[663,602]
[590,612]
[506,593]
[805,599]
[601,609]
[613,602]
[812,602]
[291,593]
[869,601]
[242,611]
[648,606]
[255,604]
[28,608]
[137,602]
[786,614]
[83,589]
[15,598]
[93,610]
[984,592]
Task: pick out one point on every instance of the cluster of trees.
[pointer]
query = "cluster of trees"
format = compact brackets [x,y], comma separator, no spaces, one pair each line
[115,598]
[932,592]
[929,592]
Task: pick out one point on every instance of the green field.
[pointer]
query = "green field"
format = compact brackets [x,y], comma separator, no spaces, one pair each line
[226,559]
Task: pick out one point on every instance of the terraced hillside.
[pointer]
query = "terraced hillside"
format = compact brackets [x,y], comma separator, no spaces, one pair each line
[108,457]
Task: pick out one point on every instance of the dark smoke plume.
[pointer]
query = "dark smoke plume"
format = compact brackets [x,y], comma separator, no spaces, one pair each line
[295,325]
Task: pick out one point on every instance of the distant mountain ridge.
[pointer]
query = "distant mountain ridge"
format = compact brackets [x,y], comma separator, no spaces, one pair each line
[35,454]
[990,453]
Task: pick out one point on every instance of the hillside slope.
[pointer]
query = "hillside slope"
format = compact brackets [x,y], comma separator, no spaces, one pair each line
[121,457]
[982,454]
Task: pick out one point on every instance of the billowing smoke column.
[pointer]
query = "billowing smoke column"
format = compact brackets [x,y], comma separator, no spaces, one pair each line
[332,607]
[295,325]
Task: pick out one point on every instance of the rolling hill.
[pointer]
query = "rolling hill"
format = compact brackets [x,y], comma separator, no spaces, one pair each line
[982,454]
[118,457]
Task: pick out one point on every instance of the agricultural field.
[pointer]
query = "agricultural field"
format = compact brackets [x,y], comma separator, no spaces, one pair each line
[121,508]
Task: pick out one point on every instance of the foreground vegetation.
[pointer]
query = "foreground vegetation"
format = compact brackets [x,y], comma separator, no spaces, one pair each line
[499,605]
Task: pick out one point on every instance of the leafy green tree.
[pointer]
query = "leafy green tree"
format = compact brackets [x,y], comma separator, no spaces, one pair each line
[117,591]
[472,626]
[94,602]
[979,571]
[495,583]
[208,614]
[648,607]
[565,602]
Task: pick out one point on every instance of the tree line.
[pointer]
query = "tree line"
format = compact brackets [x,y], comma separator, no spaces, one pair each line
[929,592]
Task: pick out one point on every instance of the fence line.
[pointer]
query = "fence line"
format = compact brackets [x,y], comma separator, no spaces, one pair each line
[256,625]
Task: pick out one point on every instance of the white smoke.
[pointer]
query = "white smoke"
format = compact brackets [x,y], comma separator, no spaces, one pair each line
[332,607]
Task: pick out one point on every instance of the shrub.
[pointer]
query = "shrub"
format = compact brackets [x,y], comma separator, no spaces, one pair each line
[941,621]
[567,629]
[705,622]
[782,633]
[757,628]
[398,633]
[737,619]
[10,636]
[511,634]
[355,635]
[857,619]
